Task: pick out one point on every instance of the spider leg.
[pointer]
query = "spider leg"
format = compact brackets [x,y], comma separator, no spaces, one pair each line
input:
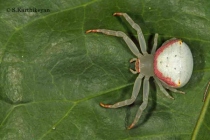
[136,88]
[127,40]
[138,29]
[155,44]
[173,89]
[162,88]
[145,101]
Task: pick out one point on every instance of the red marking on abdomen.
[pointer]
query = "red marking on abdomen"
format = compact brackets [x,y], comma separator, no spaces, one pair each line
[166,80]
[159,74]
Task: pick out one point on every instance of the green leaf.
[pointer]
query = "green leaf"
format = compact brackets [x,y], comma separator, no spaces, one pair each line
[53,75]
[202,128]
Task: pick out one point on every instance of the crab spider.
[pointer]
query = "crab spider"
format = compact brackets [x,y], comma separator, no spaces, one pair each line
[171,65]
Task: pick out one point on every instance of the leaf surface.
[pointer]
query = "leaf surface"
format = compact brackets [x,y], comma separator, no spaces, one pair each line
[53,75]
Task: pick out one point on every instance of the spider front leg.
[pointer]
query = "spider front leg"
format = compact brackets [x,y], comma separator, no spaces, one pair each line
[136,88]
[145,101]
[127,40]
[138,29]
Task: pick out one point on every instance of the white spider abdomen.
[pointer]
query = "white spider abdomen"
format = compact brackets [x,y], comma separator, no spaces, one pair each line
[173,63]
